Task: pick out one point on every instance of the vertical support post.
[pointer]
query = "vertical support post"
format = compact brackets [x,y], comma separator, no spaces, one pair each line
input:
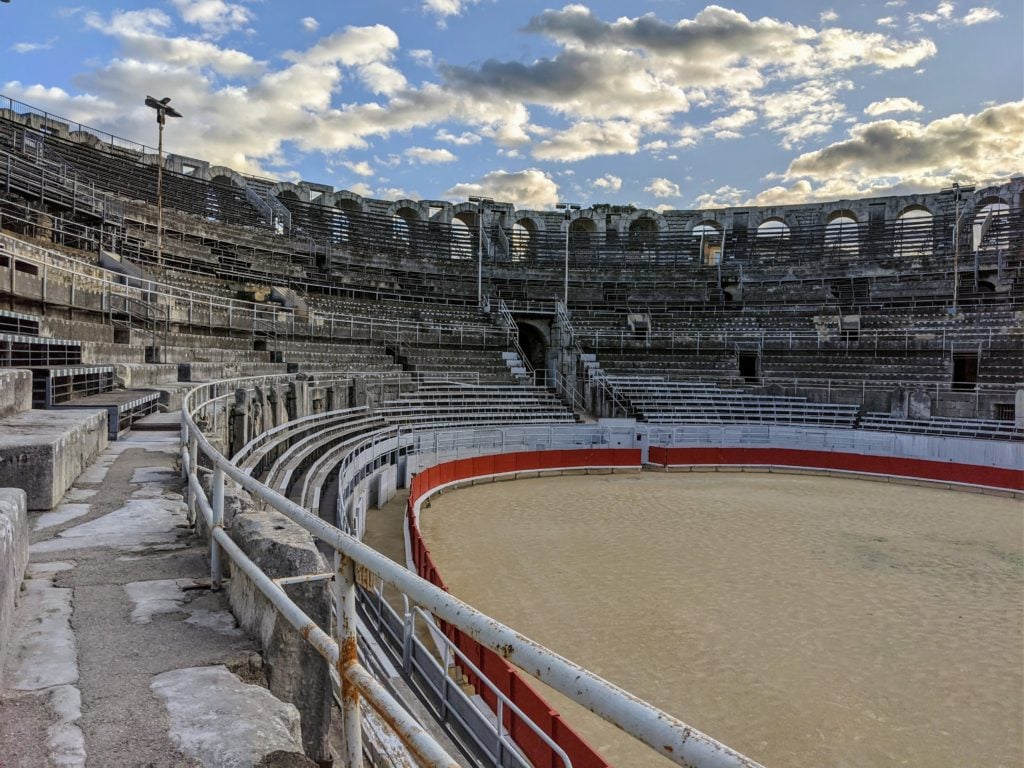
[160,190]
[345,610]
[193,456]
[217,522]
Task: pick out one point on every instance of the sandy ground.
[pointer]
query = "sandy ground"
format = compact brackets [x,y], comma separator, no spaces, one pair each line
[806,621]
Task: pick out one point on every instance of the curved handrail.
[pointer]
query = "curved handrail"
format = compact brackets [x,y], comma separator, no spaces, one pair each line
[667,735]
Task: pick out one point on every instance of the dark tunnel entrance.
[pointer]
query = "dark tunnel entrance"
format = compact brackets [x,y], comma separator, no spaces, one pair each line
[535,347]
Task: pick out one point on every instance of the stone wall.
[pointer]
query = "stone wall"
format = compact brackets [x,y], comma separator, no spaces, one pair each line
[13,558]
[296,673]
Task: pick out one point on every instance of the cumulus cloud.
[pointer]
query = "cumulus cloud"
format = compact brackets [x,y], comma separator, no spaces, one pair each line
[310,24]
[892,104]
[586,139]
[427,156]
[945,14]
[361,168]
[531,188]
[981,15]
[608,183]
[463,139]
[602,88]
[899,157]
[214,17]
[662,187]
[829,16]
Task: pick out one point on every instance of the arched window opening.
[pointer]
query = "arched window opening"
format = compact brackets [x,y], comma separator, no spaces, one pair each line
[773,229]
[991,230]
[523,243]
[464,235]
[913,233]
[643,236]
[708,235]
[842,236]
[582,236]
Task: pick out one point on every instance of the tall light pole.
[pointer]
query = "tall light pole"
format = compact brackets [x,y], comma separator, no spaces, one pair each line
[481,203]
[163,111]
[957,191]
[568,208]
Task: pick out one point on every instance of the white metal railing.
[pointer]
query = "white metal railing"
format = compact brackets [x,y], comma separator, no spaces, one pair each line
[666,735]
[198,308]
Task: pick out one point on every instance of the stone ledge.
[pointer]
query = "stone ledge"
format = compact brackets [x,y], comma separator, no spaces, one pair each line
[13,558]
[42,452]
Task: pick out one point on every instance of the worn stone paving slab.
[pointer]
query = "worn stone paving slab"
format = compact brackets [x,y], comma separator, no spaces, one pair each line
[118,541]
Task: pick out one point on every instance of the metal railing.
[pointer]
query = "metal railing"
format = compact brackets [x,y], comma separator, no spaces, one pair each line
[666,735]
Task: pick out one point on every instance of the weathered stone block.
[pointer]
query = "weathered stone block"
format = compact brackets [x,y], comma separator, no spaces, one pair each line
[15,392]
[13,558]
[42,452]
[296,673]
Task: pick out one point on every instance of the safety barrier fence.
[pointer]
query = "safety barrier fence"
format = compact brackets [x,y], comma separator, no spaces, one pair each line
[488,663]
[666,735]
[999,478]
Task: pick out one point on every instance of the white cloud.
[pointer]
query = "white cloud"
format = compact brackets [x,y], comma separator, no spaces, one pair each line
[422,56]
[723,197]
[904,157]
[608,183]
[361,168]
[828,16]
[981,15]
[214,17]
[463,139]
[943,12]
[531,188]
[427,156]
[361,188]
[444,8]
[309,24]
[32,47]
[586,139]
[662,187]
[886,21]
[892,104]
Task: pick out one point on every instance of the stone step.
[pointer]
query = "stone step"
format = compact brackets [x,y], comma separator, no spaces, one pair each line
[42,452]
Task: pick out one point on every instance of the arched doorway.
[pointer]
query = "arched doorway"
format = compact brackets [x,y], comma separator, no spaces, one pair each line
[535,346]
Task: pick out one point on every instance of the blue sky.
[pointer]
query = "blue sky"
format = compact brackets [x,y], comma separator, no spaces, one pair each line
[659,103]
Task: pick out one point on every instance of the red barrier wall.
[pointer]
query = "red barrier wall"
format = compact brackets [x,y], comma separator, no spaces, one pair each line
[502,674]
[923,469]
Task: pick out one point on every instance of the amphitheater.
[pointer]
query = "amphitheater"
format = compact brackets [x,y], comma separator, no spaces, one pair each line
[229,427]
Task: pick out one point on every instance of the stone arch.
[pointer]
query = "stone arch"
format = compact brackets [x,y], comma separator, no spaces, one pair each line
[465,223]
[285,190]
[347,201]
[913,231]
[996,235]
[774,228]
[707,236]
[842,233]
[643,232]
[407,209]
[223,176]
[525,230]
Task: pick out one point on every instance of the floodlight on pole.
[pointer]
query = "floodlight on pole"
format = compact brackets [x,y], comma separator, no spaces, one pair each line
[957,190]
[163,111]
[568,208]
[481,203]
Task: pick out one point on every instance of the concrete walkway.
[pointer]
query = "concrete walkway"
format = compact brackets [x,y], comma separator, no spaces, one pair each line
[117,632]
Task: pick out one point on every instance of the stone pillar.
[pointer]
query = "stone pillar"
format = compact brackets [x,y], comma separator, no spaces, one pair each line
[238,429]
[359,395]
[919,405]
